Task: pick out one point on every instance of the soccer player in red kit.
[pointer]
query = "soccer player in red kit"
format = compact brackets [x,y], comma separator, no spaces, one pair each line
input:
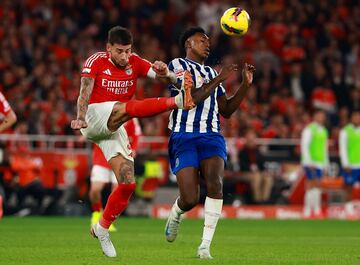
[108,82]
[7,115]
[101,172]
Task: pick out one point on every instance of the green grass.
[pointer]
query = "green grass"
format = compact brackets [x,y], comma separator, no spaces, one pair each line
[47,240]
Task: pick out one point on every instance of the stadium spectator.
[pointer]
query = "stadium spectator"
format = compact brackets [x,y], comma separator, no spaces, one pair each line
[27,178]
[252,165]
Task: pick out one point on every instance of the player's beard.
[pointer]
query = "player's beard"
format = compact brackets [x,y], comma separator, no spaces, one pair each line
[118,65]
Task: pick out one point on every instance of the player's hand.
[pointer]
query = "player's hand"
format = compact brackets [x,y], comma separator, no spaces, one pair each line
[78,124]
[160,68]
[226,71]
[248,74]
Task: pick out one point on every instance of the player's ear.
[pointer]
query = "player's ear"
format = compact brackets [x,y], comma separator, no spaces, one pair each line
[188,44]
[108,47]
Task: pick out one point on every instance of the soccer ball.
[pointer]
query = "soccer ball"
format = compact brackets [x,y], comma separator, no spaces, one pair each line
[235,22]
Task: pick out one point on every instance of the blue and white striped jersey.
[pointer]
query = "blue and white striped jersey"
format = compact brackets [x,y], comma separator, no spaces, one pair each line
[204,118]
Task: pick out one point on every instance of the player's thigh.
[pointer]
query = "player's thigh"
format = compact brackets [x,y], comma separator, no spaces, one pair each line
[117,145]
[182,152]
[212,156]
[96,186]
[118,116]
[313,177]
[212,169]
[97,117]
[188,183]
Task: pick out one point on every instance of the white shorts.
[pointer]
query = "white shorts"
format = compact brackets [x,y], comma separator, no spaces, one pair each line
[102,174]
[111,143]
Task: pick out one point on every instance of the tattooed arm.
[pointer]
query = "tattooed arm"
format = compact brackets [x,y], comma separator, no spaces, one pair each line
[86,87]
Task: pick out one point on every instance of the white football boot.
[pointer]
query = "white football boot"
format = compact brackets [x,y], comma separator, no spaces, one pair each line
[104,239]
[204,252]
[172,226]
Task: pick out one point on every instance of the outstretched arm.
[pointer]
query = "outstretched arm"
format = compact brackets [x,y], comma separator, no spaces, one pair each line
[200,94]
[86,87]
[227,106]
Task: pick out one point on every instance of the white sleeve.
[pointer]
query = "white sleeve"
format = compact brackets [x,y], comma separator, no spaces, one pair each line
[151,73]
[343,142]
[305,145]
[178,66]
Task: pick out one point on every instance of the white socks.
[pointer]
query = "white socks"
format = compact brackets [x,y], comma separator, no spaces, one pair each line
[312,201]
[212,211]
[308,202]
[176,209]
[317,201]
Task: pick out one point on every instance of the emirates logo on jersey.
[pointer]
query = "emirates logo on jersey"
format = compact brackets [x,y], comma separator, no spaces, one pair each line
[117,86]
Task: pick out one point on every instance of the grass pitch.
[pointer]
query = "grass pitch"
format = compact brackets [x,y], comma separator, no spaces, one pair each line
[54,240]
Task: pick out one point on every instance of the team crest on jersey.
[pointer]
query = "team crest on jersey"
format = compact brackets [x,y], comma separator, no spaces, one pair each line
[128,71]
[177,162]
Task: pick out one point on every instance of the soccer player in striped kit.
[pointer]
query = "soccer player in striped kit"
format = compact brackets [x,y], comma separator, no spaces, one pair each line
[196,145]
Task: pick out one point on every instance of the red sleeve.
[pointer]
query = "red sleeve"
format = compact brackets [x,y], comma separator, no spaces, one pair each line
[142,65]
[4,105]
[91,65]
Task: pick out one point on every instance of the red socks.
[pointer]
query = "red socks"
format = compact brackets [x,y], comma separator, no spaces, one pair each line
[116,204]
[149,107]
[96,207]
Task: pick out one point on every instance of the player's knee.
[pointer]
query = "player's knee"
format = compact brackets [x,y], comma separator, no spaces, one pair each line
[214,188]
[190,202]
[94,194]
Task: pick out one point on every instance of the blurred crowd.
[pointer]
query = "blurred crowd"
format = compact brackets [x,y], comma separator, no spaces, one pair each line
[306,54]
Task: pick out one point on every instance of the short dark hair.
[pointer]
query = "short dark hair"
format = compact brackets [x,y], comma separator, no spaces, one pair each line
[188,33]
[119,35]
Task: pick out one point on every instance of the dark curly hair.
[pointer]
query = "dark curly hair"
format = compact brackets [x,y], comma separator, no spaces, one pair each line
[187,34]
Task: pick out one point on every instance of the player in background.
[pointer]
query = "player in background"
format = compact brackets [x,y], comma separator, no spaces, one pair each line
[7,115]
[314,159]
[101,172]
[349,149]
[196,146]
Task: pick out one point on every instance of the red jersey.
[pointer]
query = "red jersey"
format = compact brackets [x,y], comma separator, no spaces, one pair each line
[133,130]
[111,82]
[4,107]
